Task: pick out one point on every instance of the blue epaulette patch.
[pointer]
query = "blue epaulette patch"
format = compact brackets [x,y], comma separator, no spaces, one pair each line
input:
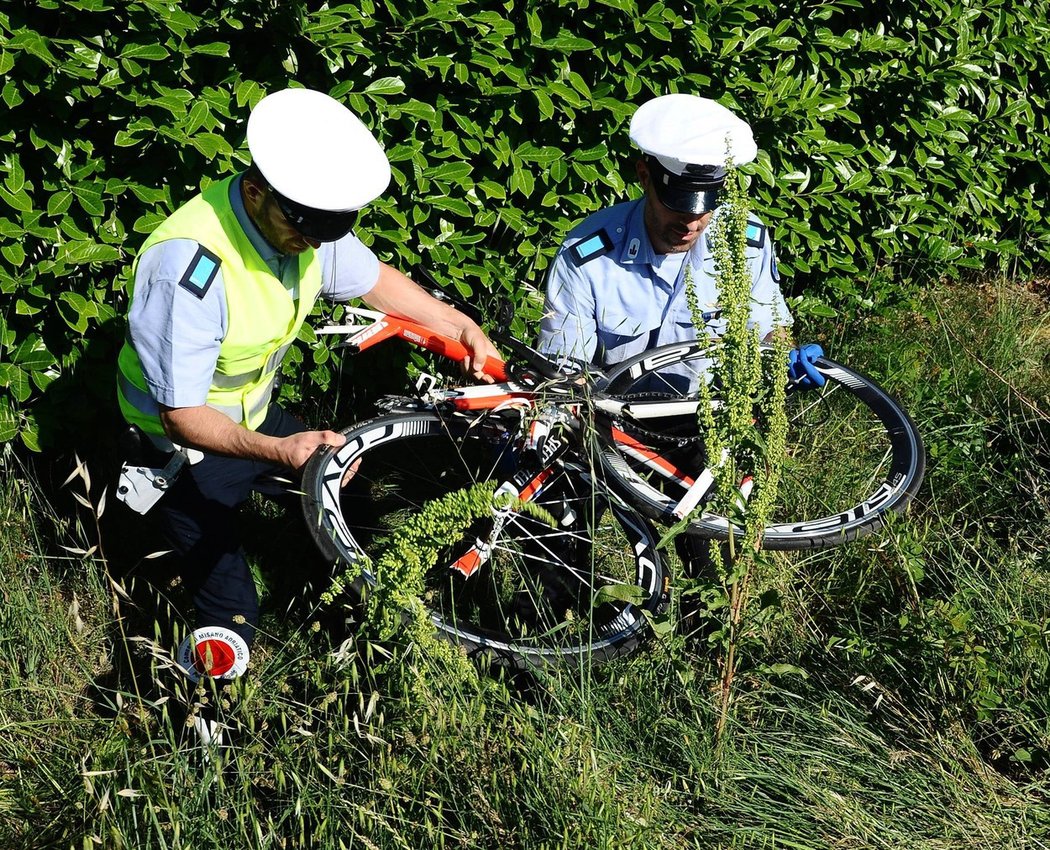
[201,272]
[756,234]
[590,247]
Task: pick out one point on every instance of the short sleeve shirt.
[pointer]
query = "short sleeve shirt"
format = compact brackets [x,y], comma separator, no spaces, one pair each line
[611,297]
[177,335]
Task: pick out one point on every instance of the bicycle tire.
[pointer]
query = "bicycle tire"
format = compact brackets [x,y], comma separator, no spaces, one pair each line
[408,459]
[854,455]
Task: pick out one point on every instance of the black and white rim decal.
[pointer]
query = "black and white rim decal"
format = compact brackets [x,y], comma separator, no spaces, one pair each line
[642,542]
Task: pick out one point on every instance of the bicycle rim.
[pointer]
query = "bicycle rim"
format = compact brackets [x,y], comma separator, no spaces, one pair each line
[536,597]
[853,455]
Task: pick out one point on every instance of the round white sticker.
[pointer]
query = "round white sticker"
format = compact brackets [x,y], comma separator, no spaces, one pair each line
[213,651]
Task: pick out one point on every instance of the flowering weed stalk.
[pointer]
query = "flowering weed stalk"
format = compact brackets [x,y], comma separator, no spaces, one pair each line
[748,426]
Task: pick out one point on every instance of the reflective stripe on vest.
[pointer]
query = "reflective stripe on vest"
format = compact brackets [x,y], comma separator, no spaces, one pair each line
[230,382]
[145,404]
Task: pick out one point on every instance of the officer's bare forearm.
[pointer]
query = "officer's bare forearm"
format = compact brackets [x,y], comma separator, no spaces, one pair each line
[211,431]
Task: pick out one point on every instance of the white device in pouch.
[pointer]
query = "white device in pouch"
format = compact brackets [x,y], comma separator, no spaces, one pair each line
[140,487]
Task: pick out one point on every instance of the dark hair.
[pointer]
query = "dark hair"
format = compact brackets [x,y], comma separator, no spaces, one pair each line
[255,175]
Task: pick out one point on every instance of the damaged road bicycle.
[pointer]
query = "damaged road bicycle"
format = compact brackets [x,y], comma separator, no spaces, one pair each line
[604,455]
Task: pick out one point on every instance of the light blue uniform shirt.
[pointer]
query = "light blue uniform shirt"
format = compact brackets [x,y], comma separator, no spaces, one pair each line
[627,299]
[177,335]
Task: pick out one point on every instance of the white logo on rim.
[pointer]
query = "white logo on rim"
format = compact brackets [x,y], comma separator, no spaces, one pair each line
[213,651]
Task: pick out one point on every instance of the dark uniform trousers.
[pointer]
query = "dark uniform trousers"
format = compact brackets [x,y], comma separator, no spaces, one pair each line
[199,519]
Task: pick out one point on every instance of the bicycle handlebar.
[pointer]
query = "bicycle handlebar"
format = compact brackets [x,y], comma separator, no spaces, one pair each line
[383,326]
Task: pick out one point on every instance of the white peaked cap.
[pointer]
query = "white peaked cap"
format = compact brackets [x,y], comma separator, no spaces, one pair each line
[685,129]
[315,151]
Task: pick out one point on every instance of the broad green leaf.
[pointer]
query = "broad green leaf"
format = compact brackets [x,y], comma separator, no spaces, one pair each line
[17,200]
[87,252]
[131,67]
[12,96]
[33,44]
[630,593]
[385,87]
[90,199]
[16,176]
[213,48]
[523,182]
[755,36]
[493,189]
[59,202]
[148,222]
[198,115]
[8,423]
[546,105]
[30,438]
[32,355]
[451,204]
[566,43]
[418,109]
[16,380]
[456,172]
[210,145]
[75,310]
[149,52]
[248,93]
[14,254]
[542,155]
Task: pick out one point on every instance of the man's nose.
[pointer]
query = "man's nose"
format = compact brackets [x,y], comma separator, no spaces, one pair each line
[692,218]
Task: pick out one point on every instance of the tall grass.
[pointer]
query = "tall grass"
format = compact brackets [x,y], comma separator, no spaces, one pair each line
[898,697]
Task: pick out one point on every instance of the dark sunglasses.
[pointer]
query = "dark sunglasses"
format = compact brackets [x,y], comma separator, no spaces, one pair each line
[322,225]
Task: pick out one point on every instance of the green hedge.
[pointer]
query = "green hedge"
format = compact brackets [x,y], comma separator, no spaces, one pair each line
[896,137]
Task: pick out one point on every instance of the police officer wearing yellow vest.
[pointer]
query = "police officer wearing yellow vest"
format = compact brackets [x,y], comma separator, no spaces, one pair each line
[221,289]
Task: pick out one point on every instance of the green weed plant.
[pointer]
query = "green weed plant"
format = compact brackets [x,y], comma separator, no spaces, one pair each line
[745,432]
[893,139]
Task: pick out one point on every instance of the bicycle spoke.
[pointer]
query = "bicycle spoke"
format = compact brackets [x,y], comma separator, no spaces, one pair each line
[511,581]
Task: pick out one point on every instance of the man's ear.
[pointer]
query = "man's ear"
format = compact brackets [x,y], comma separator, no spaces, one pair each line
[254,190]
[642,169]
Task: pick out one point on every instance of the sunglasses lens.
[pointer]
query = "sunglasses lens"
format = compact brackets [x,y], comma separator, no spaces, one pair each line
[322,225]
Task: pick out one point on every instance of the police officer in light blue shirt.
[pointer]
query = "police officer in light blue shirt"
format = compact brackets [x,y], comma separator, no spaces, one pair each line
[178,336]
[617,286]
[208,320]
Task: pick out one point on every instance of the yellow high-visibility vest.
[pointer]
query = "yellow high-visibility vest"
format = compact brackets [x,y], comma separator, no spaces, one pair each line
[262,318]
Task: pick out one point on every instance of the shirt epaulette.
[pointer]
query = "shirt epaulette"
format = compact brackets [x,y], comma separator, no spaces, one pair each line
[589,247]
[201,272]
[756,233]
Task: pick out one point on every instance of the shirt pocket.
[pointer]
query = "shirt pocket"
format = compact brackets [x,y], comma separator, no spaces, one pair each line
[623,330]
[712,321]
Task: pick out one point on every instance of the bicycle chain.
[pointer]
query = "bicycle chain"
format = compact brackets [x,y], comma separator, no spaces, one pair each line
[637,430]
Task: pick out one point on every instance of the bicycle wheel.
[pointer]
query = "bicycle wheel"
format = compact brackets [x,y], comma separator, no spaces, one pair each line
[533,593]
[853,455]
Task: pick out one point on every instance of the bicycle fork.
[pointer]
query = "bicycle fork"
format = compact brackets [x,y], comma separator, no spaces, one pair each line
[525,485]
[696,489]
